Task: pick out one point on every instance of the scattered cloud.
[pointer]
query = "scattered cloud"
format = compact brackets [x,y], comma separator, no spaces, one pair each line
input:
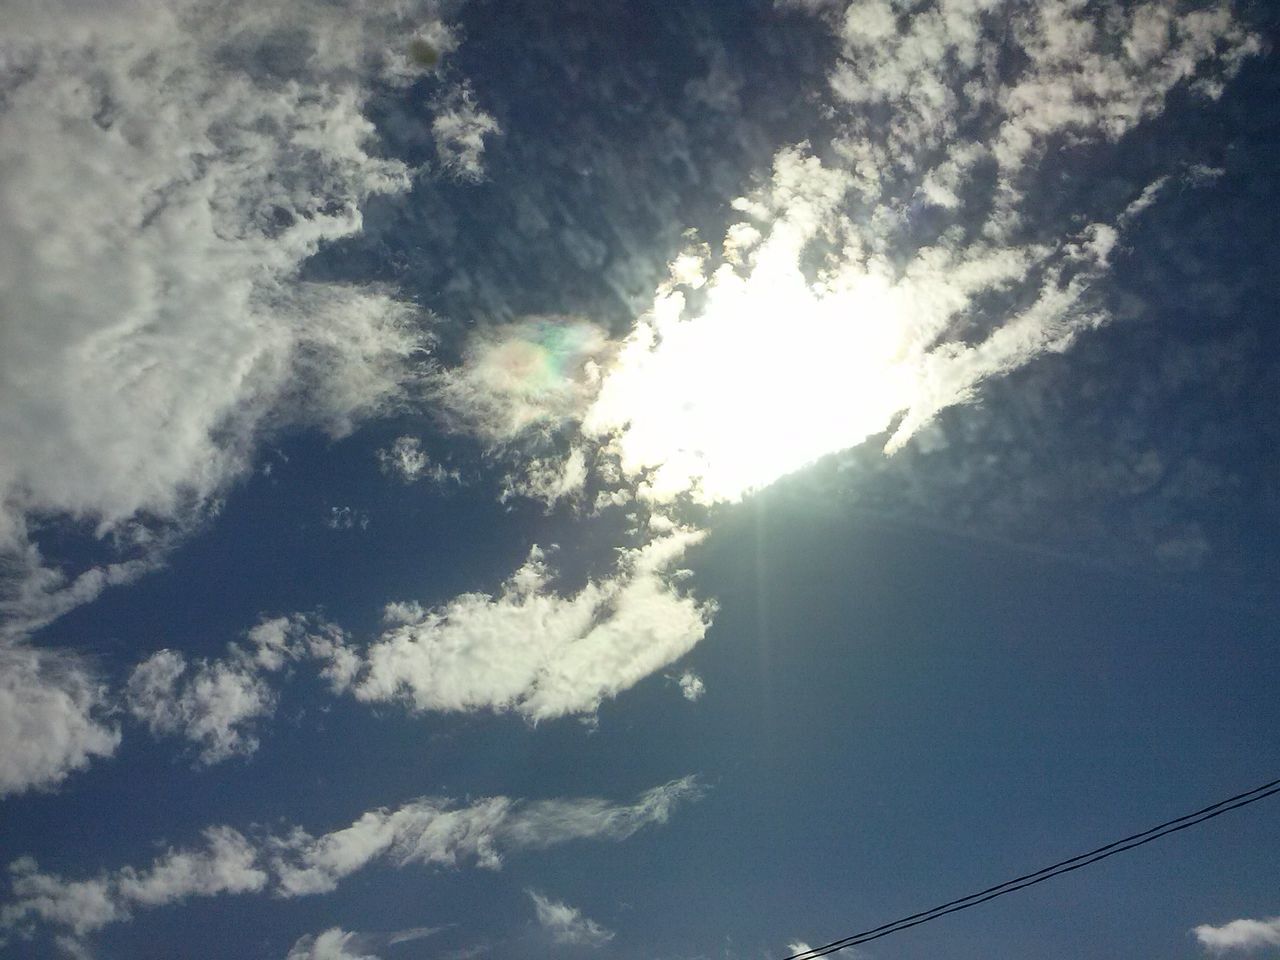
[53,718]
[459,130]
[141,387]
[406,460]
[566,925]
[875,281]
[691,686]
[1242,935]
[436,832]
[532,376]
[346,518]
[535,651]
[211,704]
[334,944]
[225,865]
[216,704]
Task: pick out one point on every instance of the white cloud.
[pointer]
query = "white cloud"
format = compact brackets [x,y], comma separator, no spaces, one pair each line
[831,319]
[166,169]
[406,460]
[436,832]
[213,704]
[531,376]
[334,944]
[338,944]
[1241,935]
[532,650]
[459,130]
[691,686]
[216,704]
[566,924]
[225,865]
[440,833]
[52,718]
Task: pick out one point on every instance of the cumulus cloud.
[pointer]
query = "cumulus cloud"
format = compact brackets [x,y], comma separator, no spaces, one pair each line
[211,704]
[535,651]
[217,704]
[53,718]
[430,831]
[1242,935]
[566,924]
[180,161]
[166,168]
[226,864]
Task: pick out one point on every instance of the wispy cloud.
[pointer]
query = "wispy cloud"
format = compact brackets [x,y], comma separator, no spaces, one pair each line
[566,924]
[295,863]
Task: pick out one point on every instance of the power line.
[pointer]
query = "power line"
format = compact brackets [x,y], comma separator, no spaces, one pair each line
[1046,873]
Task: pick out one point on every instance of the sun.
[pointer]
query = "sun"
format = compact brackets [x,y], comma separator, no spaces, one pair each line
[775,371]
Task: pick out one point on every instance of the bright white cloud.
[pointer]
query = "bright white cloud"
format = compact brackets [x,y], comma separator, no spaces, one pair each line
[334,944]
[211,704]
[217,704]
[566,924]
[166,169]
[225,865]
[1242,935]
[830,317]
[435,832]
[532,650]
[53,718]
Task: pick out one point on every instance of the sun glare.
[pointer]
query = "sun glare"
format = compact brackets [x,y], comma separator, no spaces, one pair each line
[774,373]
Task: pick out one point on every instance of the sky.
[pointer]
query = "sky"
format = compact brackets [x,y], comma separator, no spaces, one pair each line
[619,480]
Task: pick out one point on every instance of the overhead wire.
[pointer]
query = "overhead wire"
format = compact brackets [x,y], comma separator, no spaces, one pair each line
[1046,873]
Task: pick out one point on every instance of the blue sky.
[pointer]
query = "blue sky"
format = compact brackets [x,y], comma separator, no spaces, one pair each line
[598,479]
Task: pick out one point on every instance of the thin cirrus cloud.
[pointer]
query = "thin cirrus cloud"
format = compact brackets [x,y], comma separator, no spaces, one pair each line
[429,831]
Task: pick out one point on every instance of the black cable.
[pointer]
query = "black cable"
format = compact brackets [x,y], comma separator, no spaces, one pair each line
[1046,873]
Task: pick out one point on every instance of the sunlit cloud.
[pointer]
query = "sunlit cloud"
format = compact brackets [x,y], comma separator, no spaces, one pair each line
[430,831]
[538,651]
[827,315]
[1239,935]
